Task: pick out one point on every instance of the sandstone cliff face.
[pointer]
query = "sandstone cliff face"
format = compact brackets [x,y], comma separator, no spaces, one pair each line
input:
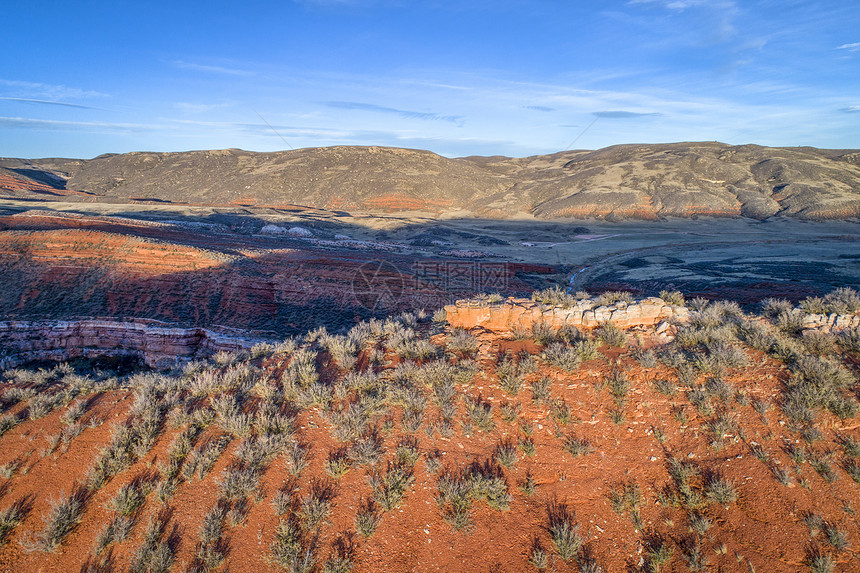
[155,343]
[517,313]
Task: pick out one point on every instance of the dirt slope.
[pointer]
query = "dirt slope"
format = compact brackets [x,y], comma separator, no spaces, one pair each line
[410,452]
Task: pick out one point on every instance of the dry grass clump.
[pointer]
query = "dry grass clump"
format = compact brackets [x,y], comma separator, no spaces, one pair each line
[462,342]
[840,301]
[479,481]
[558,297]
[611,335]
[63,518]
[613,297]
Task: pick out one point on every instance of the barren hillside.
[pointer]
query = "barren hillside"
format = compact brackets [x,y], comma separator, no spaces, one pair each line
[624,181]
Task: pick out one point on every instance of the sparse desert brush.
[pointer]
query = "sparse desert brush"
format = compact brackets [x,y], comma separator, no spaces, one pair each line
[645,358]
[212,548]
[613,297]
[7,422]
[790,322]
[440,316]
[231,417]
[819,343]
[337,464]
[822,462]
[367,448]
[479,481]
[202,460]
[560,411]
[665,386]
[820,562]
[367,517]
[418,349]
[543,334]
[74,412]
[129,498]
[116,530]
[618,383]
[628,498]
[720,490]
[538,557]
[343,350]
[238,481]
[506,453]
[563,356]
[157,551]
[12,516]
[480,413]
[262,350]
[390,487]
[849,339]
[577,446]
[297,458]
[511,371]
[291,550]
[314,508]
[611,335]
[773,307]
[673,297]
[541,389]
[564,531]
[301,372]
[819,383]
[555,296]
[462,342]
[840,301]
[63,518]
[343,556]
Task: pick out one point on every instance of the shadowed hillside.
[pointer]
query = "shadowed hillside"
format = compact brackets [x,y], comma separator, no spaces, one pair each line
[624,181]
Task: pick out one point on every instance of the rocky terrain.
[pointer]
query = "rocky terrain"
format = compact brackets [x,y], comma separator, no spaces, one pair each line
[722,441]
[619,182]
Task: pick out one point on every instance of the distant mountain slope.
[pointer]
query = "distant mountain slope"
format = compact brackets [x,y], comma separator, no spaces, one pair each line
[622,181]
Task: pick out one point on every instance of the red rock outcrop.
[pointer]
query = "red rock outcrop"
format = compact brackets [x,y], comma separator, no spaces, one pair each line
[516,313]
[156,343]
[831,322]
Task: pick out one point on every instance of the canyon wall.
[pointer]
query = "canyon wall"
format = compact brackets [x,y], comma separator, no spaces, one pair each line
[156,343]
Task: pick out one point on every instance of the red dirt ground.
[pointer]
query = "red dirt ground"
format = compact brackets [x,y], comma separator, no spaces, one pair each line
[762,531]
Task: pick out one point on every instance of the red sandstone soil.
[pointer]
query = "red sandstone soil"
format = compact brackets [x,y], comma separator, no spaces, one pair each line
[763,531]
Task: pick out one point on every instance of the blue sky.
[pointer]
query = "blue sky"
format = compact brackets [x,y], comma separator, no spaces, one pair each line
[458,77]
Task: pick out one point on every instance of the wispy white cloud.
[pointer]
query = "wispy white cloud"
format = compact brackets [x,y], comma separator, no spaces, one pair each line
[187,107]
[211,69]
[31,123]
[621,114]
[46,102]
[36,90]
[853,47]
[431,116]
[851,109]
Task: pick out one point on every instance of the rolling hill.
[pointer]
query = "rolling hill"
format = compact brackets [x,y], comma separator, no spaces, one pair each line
[623,181]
